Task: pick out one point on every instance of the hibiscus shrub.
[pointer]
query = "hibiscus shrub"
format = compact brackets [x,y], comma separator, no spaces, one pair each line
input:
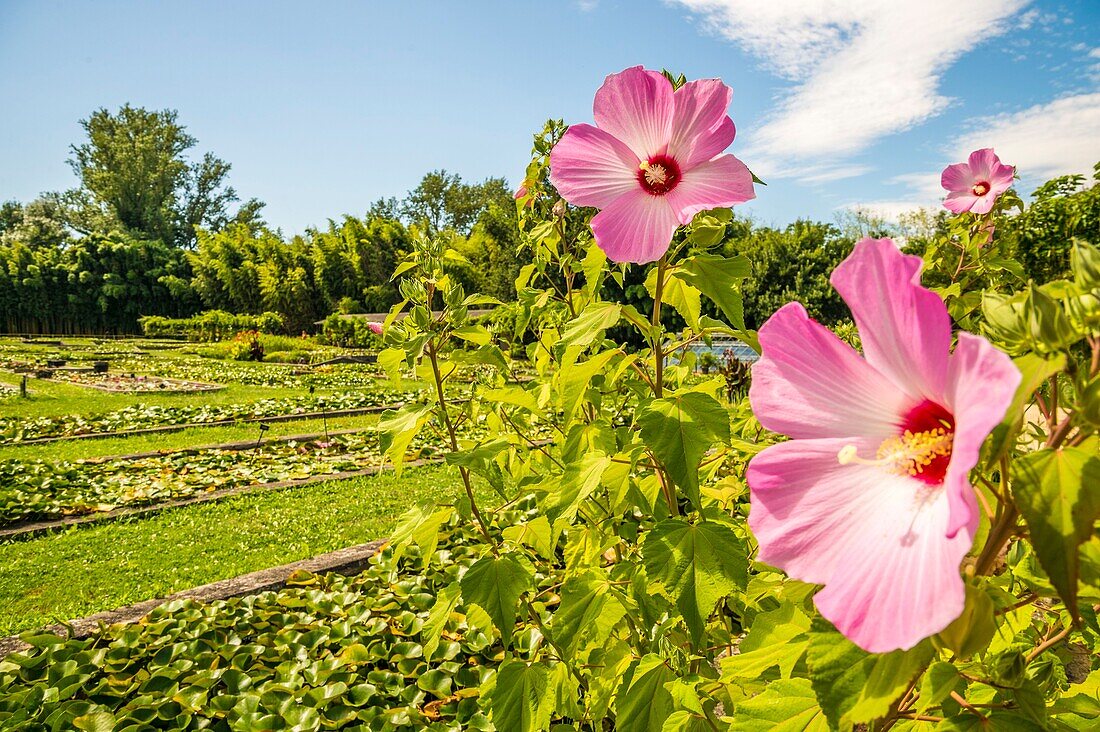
[899,538]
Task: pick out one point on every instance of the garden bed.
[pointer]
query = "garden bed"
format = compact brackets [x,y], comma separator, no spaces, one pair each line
[295,417]
[134,383]
[325,651]
[27,529]
[133,419]
[349,561]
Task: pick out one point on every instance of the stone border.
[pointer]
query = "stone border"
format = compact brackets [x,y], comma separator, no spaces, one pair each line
[377,409]
[349,561]
[34,528]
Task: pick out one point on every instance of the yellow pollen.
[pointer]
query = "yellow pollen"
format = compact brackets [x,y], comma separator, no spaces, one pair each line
[655,174]
[908,454]
[980,189]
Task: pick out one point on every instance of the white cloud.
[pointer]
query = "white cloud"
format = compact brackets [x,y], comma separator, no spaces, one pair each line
[830,173]
[1043,141]
[863,69]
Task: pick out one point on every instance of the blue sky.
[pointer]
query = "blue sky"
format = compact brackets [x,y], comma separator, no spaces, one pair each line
[322,107]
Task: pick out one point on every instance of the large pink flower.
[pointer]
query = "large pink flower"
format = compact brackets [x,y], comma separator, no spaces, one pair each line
[652,163]
[871,498]
[975,185]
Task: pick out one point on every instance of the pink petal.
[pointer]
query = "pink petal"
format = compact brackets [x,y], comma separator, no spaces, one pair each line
[700,127]
[960,201]
[982,163]
[717,183]
[984,204]
[809,383]
[806,506]
[981,382]
[636,106]
[1002,178]
[635,227]
[957,177]
[905,329]
[589,167]
[898,581]
[876,540]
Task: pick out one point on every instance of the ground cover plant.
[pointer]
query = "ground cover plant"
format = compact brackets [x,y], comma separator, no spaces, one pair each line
[190,438]
[896,536]
[17,429]
[56,577]
[132,383]
[50,489]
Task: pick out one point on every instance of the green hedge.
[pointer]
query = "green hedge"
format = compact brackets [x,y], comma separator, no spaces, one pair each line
[337,330]
[212,325]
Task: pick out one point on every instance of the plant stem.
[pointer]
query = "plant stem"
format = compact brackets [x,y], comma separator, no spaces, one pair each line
[446,415]
[655,334]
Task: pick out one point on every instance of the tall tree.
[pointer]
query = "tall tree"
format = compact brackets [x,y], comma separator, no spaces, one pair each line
[135,175]
[443,201]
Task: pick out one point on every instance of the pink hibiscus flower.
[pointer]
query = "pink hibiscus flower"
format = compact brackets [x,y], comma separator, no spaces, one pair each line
[652,163]
[976,184]
[871,498]
[375,328]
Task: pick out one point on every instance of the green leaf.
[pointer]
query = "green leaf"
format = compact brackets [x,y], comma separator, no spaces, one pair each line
[396,429]
[697,565]
[1035,370]
[1055,492]
[939,681]
[445,603]
[95,722]
[680,295]
[719,278]
[972,631]
[786,705]
[643,703]
[1085,262]
[536,534]
[587,612]
[495,584]
[576,483]
[475,334]
[515,395]
[390,359]
[403,268]
[777,638]
[517,697]
[854,686]
[1048,325]
[588,326]
[420,526]
[574,381]
[679,430]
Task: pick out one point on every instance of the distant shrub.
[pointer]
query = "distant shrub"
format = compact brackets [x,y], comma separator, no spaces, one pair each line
[211,326]
[348,333]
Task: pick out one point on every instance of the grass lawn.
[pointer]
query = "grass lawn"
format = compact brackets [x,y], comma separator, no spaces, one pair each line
[83,571]
[195,436]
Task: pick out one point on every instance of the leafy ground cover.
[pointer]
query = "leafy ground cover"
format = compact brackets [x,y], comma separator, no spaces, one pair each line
[328,652]
[17,429]
[130,383]
[40,489]
[183,439]
[56,577]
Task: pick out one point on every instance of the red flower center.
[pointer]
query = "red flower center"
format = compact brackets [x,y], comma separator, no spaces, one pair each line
[659,175]
[980,188]
[924,447]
